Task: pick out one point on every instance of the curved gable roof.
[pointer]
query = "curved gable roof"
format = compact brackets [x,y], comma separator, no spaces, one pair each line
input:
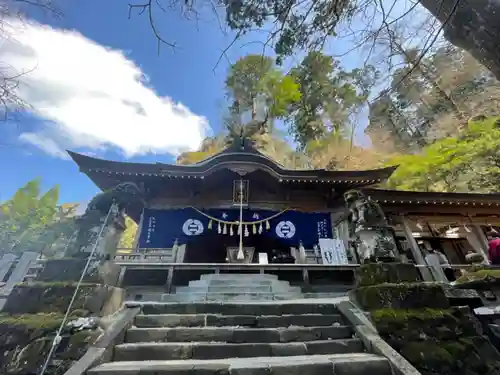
[230,159]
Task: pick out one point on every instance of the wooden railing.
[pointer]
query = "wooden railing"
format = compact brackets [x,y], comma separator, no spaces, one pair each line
[172,255]
[165,257]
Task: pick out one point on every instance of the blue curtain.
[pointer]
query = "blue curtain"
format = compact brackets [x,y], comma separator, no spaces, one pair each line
[162,227]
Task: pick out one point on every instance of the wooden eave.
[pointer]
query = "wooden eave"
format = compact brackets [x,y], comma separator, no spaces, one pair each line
[397,197]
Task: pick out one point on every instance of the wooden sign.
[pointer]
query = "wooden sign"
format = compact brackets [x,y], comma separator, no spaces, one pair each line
[240,192]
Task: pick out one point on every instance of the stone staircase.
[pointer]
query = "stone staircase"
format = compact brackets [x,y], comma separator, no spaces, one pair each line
[232,287]
[244,338]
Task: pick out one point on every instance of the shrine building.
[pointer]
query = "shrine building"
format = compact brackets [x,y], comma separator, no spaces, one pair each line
[240,206]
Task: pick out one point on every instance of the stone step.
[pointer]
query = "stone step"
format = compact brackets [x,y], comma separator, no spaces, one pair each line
[237,289]
[213,320]
[237,335]
[196,350]
[185,297]
[239,282]
[238,276]
[249,308]
[338,364]
[228,296]
[324,295]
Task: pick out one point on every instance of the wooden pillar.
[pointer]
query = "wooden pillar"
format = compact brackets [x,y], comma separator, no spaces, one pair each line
[415,249]
[482,241]
[168,281]
[139,229]
[121,276]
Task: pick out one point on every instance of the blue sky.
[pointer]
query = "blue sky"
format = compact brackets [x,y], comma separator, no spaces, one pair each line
[83,92]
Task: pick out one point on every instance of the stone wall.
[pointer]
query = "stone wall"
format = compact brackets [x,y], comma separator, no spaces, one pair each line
[70,269]
[416,319]
[33,312]
[25,341]
[91,299]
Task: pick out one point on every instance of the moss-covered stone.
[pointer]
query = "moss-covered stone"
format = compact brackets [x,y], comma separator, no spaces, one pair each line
[70,270]
[65,269]
[487,275]
[36,298]
[438,341]
[401,296]
[449,357]
[410,325]
[416,319]
[379,273]
[25,341]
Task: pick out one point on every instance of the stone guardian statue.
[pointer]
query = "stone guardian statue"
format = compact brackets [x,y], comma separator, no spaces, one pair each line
[369,231]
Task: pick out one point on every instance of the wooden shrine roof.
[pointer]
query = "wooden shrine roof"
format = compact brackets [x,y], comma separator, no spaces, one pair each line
[245,160]
[400,197]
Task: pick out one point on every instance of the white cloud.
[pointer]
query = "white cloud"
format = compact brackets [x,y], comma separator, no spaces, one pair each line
[45,144]
[92,96]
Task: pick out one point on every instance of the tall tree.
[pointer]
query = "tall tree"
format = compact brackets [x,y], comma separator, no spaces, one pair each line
[254,83]
[335,152]
[414,113]
[329,96]
[255,86]
[388,127]
[34,221]
[471,25]
[307,24]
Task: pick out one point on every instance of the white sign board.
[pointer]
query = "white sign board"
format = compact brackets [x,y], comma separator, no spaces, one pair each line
[333,251]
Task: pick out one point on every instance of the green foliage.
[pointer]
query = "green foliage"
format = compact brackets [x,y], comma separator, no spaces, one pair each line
[468,162]
[127,239]
[316,99]
[254,80]
[299,25]
[34,221]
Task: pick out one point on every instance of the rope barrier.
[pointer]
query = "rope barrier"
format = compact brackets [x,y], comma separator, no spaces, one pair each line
[237,222]
[58,338]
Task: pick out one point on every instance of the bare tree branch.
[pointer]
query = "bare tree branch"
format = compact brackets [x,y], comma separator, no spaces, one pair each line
[147,8]
[10,77]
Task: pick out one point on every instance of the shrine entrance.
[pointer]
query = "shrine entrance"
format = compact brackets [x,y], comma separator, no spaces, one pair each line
[211,247]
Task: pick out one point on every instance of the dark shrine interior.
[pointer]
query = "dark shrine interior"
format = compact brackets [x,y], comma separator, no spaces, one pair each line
[210,247]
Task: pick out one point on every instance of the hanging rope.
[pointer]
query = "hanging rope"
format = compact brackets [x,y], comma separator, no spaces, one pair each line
[237,222]
[58,337]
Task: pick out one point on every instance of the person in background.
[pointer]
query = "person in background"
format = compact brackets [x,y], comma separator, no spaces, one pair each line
[445,263]
[494,247]
[439,264]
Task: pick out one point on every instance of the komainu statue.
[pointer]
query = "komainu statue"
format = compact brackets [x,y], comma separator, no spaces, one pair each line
[369,232]
[115,201]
